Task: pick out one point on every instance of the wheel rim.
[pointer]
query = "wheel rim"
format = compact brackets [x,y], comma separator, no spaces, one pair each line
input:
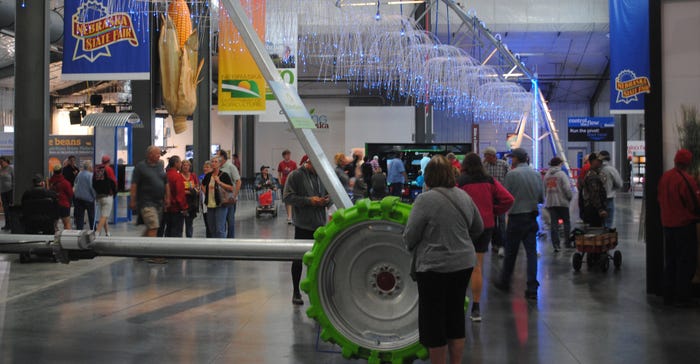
[363,286]
[358,283]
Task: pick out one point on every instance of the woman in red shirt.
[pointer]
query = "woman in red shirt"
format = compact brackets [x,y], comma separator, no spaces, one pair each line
[285,167]
[492,199]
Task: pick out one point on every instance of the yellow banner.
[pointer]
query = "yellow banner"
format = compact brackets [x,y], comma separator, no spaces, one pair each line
[241,84]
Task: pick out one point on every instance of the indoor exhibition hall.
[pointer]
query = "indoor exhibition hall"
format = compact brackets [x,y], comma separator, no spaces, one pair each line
[349,181]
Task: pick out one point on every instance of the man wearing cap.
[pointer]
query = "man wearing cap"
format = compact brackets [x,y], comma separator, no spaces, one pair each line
[175,212]
[679,201]
[39,208]
[613,182]
[104,181]
[593,193]
[557,191]
[264,181]
[525,184]
[307,196]
[497,168]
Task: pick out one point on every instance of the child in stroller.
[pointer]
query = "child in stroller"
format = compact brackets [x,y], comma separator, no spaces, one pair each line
[266,188]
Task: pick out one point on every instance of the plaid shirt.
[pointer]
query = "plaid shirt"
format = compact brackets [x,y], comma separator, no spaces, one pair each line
[498,170]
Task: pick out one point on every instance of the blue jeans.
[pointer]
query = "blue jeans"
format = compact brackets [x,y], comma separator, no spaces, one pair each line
[610,203]
[79,213]
[216,218]
[521,227]
[230,220]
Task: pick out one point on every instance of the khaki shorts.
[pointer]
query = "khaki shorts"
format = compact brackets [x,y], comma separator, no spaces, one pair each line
[105,204]
[151,217]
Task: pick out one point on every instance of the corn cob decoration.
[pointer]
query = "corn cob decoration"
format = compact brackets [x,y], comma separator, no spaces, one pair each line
[178,45]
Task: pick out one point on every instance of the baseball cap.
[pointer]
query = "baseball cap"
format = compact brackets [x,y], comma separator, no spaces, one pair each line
[37,178]
[105,159]
[304,159]
[490,150]
[263,167]
[57,168]
[683,157]
[519,153]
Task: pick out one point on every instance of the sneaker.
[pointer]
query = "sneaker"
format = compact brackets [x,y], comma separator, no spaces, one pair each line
[501,252]
[157,260]
[296,299]
[289,221]
[476,313]
[108,234]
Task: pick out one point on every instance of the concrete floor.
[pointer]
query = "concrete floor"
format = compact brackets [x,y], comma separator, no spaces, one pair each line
[123,310]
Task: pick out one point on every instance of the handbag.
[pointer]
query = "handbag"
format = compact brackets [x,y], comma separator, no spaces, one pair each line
[415,251]
[226,198]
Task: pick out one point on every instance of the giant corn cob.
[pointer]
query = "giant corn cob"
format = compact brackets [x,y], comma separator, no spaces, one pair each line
[179,71]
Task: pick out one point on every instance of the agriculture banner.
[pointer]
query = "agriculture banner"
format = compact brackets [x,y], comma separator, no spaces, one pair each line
[105,40]
[587,129]
[241,85]
[629,55]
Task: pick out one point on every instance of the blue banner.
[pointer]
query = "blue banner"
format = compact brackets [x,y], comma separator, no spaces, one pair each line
[105,40]
[587,129]
[629,55]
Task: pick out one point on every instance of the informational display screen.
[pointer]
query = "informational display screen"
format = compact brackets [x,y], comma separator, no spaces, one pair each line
[590,129]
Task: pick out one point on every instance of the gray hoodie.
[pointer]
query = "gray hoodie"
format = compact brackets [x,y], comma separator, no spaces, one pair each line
[443,240]
[301,184]
[557,188]
[613,181]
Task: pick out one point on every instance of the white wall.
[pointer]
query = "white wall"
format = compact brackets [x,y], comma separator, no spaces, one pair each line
[680,26]
[272,138]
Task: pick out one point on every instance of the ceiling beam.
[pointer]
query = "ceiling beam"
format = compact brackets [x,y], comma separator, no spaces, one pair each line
[605,79]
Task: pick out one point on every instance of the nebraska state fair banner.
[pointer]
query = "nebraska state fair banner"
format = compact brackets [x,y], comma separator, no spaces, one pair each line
[241,85]
[629,55]
[105,40]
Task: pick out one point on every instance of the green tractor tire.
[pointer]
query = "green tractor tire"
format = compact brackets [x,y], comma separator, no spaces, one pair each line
[359,286]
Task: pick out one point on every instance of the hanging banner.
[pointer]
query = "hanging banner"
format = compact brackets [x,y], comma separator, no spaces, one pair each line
[281,44]
[629,56]
[105,40]
[241,84]
[587,129]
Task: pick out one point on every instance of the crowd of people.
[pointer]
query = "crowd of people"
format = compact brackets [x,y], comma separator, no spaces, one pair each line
[464,208]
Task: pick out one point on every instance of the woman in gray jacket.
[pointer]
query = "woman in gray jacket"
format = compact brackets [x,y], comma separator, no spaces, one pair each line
[557,193]
[440,232]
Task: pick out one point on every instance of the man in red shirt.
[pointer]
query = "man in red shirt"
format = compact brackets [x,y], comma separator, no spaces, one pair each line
[285,167]
[679,201]
[175,212]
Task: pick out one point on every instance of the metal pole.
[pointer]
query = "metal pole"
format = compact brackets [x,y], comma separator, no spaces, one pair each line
[122,246]
[291,104]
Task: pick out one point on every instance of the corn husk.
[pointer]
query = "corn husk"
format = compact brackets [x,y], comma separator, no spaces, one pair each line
[179,72]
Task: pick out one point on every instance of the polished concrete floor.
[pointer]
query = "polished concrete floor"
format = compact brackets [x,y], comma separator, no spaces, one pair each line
[123,310]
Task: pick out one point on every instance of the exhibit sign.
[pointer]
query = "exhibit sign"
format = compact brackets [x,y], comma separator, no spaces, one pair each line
[241,84]
[591,129]
[629,56]
[63,146]
[105,40]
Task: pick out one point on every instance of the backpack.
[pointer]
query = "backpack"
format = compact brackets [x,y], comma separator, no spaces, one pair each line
[101,183]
